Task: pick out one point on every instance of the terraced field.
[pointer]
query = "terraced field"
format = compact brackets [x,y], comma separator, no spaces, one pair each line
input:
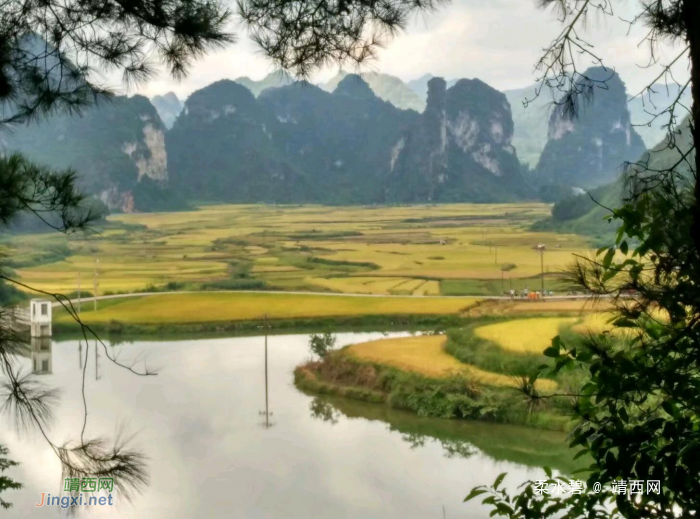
[426,355]
[455,249]
[531,335]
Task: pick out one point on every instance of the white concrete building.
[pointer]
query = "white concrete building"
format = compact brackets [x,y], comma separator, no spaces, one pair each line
[40,317]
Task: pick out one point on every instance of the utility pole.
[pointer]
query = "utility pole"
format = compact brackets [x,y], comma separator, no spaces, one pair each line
[267,424]
[94,283]
[540,248]
[97,367]
[542,269]
[78,292]
[267,402]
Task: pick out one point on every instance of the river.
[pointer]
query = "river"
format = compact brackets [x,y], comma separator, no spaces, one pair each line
[213,451]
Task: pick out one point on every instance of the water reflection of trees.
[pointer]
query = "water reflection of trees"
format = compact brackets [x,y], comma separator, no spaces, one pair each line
[458,438]
[322,409]
[453,448]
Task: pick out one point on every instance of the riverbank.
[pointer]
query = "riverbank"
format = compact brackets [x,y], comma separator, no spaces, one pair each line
[458,396]
[458,375]
[234,311]
[367,323]
[221,312]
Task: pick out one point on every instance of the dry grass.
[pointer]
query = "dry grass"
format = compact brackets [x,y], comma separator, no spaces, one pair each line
[426,355]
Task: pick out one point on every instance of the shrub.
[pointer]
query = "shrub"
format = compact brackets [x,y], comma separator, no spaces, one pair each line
[322,344]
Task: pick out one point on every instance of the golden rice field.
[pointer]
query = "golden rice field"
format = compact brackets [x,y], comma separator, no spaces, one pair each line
[578,306]
[409,250]
[594,324]
[531,335]
[426,355]
[211,307]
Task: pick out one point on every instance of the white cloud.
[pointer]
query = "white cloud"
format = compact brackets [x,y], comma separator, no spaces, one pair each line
[498,41]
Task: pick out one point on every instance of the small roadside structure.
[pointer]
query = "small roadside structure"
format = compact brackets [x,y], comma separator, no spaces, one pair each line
[40,317]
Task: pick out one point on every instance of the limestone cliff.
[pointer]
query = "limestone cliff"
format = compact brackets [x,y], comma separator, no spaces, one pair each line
[460,149]
[590,149]
[117,148]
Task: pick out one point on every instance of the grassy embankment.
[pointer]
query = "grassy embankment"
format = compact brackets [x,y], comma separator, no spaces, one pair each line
[472,372]
[240,310]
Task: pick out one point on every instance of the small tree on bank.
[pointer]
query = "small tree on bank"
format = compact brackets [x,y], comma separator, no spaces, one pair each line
[322,344]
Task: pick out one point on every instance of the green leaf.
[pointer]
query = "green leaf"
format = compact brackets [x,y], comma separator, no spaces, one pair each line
[552,352]
[581,453]
[548,471]
[474,493]
[607,260]
[499,480]
[670,407]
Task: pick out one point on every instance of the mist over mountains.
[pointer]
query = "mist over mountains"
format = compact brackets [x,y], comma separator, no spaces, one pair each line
[368,138]
[586,214]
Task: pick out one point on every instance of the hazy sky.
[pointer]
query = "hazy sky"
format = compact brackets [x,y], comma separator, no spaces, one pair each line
[497,41]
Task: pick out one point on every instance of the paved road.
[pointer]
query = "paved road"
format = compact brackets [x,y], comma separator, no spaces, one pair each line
[332,294]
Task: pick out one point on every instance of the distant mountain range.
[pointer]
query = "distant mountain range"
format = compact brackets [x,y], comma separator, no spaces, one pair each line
[299,143]
[531,113]
[460,148]
[272,80]
[169,107]
[420,85]
[589,150]
[386,87]
[585,213]
[355,139]
[530,108]
[117,147]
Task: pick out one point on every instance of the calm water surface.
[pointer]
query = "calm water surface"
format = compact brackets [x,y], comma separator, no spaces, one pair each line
[202,423]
